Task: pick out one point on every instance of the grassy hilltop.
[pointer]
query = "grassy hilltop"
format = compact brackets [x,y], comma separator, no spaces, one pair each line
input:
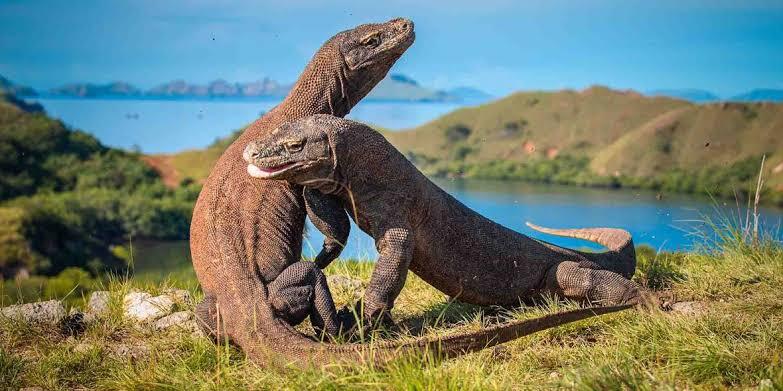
[595,137]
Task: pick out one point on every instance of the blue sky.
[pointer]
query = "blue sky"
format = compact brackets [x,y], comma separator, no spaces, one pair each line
[498,45]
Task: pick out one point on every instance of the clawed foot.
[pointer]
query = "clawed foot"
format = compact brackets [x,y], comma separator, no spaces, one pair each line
[644,299]
[356,327]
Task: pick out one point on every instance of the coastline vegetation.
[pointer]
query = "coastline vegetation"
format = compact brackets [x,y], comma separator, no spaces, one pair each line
[734,181]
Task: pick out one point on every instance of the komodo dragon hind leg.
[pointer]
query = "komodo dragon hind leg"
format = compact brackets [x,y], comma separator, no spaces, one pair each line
[621,257]
[207,317]
[301,291]
[328,215]
[576,281]
[298,292]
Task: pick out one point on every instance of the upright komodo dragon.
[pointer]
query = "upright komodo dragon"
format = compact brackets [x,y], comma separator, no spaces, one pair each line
[246,234]
[419,226]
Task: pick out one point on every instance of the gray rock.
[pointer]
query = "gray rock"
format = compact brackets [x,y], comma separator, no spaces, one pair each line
[98,304]
[180,296]
[128,351]
[83,347]
[43,312]
[143,307]
[342,282]
[689,307]
[180,320]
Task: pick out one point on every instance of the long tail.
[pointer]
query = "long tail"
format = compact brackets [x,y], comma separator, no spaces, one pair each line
[617,240]
[309,352]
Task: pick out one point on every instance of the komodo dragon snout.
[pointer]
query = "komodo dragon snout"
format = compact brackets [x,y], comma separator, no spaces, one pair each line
[296,151]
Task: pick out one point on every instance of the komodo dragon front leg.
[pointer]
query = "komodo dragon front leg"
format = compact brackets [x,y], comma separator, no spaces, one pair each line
[328,215]
[395,249]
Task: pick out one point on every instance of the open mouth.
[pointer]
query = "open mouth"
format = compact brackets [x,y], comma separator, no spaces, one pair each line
[266,172]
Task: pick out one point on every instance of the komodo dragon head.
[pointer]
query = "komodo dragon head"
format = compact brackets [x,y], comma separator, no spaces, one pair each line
[365,54]
[299,151]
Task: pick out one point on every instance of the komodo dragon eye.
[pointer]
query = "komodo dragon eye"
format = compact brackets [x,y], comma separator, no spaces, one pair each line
[372,41]
[293,146]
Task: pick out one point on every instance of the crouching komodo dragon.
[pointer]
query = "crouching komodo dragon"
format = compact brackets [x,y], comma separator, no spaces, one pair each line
[246,235]
[419,226]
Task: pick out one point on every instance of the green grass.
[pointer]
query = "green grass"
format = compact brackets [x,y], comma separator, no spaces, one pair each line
[737,342]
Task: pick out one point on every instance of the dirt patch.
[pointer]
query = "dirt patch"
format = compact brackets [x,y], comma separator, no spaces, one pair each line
[163,166]
[529,147]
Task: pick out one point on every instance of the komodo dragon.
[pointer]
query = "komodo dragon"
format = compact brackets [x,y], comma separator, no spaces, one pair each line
[246,235]
[419,226]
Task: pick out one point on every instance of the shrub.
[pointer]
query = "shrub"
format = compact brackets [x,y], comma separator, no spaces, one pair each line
[457,133]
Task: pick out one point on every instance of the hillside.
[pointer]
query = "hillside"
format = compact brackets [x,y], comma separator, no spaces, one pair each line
[618,134]
[597,137]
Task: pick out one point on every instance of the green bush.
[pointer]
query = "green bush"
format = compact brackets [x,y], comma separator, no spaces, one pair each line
[71,284]
[457,133]
[16,253]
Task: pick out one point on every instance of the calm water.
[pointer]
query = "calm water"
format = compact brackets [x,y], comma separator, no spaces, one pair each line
[672,223]
[161,126]
[167,126]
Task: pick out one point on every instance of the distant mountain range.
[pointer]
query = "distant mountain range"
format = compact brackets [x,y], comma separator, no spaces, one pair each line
[394,87]
[702,96]
[760,95]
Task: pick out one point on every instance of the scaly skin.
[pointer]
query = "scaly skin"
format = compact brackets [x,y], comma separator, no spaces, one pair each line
[246,235]
[420,227]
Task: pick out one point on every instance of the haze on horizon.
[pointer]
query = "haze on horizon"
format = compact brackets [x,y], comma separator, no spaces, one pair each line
[499,46]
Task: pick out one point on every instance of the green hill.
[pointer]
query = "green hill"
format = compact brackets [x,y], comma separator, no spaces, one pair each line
[594,137]
[66,199]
